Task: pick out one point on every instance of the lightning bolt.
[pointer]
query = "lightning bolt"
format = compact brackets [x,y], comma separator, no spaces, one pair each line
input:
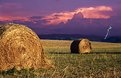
[108,30]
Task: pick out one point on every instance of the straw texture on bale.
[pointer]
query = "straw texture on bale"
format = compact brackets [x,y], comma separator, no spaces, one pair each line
[81,46]
[21,48]
[85,46]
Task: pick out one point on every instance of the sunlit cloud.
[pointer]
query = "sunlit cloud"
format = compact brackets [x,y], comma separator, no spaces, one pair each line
[56,18]
[95,12]
[88,12]
[11,18]
[11,11]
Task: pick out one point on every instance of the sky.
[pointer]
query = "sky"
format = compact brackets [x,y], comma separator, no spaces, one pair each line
[44,7]
[59,16]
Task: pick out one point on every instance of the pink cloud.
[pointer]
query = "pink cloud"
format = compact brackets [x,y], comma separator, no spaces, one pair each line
[12,11]
[95,12]
[88,12]
[10,18]
[56,18]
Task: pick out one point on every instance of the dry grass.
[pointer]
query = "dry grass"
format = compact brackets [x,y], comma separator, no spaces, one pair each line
[104,62]
[63,46]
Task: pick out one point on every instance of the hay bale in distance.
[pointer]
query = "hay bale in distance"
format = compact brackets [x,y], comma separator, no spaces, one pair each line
[81,46]
[85,46]
[75,46]
[21,48]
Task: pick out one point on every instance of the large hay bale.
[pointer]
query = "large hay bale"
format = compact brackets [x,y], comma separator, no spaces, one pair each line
[81,46]
[21,48]
[85,46]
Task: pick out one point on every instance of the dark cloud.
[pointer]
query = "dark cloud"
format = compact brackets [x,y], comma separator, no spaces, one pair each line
[78,16]
[62,12]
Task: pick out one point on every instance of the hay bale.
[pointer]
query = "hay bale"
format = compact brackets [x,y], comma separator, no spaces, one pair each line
[81,46]
[85,46]
[75,46]
[21,48]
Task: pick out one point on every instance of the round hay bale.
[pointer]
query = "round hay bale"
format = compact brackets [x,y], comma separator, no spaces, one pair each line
[21,48]
[81,46]
[75,46]
[85,46]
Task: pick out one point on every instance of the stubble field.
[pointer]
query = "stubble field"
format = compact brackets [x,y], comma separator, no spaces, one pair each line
[103,62]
